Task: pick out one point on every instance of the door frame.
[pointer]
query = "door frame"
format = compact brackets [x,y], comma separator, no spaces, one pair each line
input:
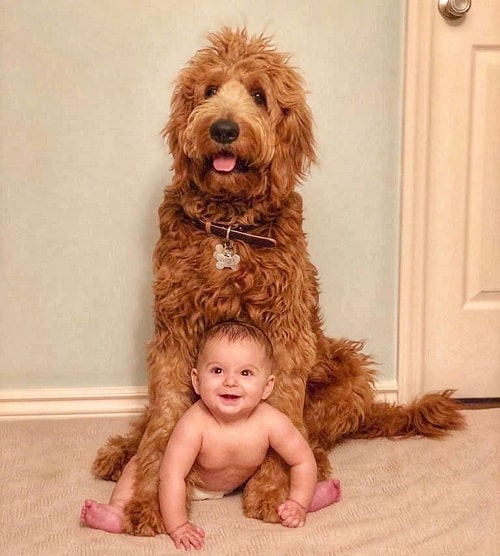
[414,194]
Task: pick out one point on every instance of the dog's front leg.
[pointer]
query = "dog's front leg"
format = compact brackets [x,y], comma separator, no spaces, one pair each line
[171,398]
[267,489]
[269,486]
[142,513]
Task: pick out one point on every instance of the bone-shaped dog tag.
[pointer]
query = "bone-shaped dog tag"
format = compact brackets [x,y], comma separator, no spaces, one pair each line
[225,256]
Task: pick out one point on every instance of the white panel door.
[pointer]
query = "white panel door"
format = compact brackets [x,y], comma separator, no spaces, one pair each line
[450,275]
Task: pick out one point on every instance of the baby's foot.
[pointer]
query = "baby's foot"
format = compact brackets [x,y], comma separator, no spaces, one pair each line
[102,516]
[326,493]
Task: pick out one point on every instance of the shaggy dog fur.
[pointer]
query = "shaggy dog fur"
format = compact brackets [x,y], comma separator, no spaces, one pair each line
[240,134]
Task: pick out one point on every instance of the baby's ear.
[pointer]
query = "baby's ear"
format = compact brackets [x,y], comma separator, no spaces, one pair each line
[269,387]
[194,380]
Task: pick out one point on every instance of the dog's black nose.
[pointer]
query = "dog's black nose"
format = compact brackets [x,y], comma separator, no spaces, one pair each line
[224,131]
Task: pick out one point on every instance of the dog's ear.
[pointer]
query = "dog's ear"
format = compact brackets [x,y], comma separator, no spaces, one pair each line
[181,107]
[295,145]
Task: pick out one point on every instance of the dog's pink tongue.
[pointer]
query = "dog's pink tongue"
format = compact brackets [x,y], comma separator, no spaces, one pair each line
[224,162]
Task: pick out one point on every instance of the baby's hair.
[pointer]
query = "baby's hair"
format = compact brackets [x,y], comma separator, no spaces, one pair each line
[236,330]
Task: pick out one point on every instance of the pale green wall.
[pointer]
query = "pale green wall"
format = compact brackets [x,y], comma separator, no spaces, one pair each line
[85,90]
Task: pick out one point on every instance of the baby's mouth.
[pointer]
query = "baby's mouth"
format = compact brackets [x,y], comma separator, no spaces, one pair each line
[230,396]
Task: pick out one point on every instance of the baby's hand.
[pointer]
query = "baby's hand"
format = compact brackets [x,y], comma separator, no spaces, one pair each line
[188,535]
[292,514]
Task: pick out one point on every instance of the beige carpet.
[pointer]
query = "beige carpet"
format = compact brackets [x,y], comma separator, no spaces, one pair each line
[411,497]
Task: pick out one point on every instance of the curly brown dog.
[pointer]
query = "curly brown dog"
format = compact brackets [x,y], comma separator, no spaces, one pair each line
[232,247]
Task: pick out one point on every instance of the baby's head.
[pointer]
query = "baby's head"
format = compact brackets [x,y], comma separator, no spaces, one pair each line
[235,331]
[237,356]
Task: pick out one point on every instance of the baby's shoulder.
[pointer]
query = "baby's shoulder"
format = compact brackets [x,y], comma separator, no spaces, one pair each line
[269,413]
[198,410]
[194,414]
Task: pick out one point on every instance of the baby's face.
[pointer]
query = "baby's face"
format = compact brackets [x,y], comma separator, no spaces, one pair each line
[233,377]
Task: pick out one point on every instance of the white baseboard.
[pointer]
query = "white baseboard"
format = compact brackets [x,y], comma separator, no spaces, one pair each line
[387,390]
[53,403]
[64,403]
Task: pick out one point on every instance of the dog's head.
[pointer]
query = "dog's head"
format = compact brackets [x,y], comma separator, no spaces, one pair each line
[240,126]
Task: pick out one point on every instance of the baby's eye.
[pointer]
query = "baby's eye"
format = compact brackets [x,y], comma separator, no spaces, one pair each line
[246,372]
[217,371]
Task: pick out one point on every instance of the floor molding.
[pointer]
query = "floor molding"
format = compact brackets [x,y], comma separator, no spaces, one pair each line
[387,390]
[64,403]
[53,403]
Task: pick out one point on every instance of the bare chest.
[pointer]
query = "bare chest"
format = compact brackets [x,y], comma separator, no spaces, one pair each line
[237,450]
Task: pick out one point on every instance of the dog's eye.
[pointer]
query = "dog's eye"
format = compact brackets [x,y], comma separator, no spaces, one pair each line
[210,91]
[259,97]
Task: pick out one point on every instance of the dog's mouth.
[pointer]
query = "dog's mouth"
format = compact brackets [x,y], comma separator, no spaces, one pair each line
[227,162]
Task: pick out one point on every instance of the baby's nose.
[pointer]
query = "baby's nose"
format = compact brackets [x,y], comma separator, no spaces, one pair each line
[230,379]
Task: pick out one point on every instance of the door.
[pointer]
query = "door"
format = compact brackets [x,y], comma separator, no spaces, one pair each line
[450,259]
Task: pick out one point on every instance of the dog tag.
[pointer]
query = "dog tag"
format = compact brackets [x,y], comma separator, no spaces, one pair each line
[225,256]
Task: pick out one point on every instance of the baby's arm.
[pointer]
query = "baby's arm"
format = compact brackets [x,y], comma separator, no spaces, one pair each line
[179,457]
[287,441]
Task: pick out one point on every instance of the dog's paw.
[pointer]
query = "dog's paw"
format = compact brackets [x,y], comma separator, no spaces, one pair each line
[142,518]
[264,493]
[110,460]
[263,506]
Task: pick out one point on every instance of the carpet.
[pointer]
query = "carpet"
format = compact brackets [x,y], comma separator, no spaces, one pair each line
[405,497]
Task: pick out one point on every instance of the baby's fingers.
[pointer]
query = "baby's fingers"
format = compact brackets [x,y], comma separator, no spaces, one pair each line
[293,522]
[188,542]
[282,511]
[292,514]
[287,518]
[188,536]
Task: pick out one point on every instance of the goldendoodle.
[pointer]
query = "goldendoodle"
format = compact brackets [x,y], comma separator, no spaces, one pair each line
[232,247]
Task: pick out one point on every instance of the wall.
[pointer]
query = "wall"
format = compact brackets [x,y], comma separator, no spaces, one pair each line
[85,92]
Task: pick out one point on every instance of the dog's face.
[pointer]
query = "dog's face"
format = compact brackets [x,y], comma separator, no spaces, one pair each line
[240,126]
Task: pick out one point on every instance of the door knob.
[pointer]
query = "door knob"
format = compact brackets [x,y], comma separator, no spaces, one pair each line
[453,9]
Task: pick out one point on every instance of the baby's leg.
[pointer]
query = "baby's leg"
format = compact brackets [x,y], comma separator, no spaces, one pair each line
[326,493]
[109,517]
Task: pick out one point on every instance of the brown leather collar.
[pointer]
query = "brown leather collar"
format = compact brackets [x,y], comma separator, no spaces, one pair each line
[236,232]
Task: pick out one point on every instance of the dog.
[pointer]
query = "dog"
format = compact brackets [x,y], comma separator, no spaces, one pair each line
[232,247]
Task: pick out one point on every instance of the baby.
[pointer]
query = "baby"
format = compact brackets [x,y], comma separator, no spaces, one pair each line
[222,439]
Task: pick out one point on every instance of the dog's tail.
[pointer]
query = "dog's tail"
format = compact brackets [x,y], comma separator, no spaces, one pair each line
[341,402]
[433,415]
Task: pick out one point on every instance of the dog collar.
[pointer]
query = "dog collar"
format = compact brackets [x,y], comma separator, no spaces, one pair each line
[237,232]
